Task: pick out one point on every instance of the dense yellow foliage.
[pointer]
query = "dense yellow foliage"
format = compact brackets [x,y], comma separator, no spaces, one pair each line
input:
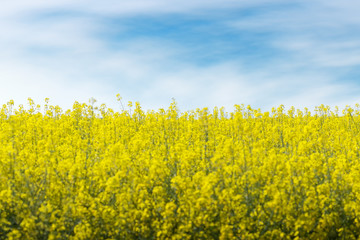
[93,173]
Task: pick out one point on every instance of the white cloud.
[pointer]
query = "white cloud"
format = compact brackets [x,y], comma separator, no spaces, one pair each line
[64,58]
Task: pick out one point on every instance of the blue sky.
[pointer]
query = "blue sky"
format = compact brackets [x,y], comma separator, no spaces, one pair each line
[203,53]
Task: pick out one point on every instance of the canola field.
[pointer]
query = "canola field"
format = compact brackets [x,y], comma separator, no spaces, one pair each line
[95,173]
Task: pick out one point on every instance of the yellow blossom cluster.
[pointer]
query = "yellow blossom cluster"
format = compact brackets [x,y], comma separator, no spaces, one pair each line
[95,173]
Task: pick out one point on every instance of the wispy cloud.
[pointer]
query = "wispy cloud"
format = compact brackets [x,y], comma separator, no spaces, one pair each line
[202,53]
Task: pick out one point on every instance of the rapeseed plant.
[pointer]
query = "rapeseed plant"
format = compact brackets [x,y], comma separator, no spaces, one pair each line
[94,173]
